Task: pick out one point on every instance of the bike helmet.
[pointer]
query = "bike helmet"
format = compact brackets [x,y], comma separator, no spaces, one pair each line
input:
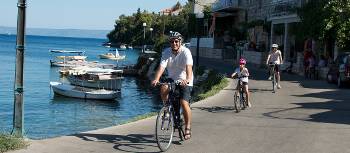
[175,35]
[242,61]
[274,46]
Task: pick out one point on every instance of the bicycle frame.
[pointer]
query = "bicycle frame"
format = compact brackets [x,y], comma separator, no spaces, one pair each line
[239,93]
[173,107]
[272,70]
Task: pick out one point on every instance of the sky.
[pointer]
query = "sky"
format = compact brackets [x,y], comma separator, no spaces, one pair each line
[77,14]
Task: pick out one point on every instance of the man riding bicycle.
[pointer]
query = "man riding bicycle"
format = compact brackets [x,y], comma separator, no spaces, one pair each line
[275,57]
[178,62]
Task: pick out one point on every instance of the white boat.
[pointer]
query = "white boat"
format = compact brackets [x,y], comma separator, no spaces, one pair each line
[130,47]
[82,92]
[115,56]
[122,47]
[66,60]
[96,78]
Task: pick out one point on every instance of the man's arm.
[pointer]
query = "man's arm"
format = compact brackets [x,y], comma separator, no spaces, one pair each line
[281,57]
[267,60]
[189,72]
[157,76]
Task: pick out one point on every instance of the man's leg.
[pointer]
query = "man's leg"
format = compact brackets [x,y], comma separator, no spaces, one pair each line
[164,92]
[270,73]
[188,118]
[186,96]
[278,77]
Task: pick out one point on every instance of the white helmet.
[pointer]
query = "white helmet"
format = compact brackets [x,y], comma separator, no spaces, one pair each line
[274,46]
[175,35]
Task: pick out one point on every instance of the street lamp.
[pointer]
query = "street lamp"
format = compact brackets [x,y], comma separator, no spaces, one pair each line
[151,30]
[144,36]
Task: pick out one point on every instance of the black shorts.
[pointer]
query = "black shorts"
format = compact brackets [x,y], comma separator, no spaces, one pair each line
[277,68]
[185,93]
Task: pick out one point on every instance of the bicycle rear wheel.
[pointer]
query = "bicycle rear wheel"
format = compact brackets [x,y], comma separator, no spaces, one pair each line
[236,102]
[243,102]
[164,128]
[181,129]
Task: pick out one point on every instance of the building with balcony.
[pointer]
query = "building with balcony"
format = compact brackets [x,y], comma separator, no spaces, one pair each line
[268,22]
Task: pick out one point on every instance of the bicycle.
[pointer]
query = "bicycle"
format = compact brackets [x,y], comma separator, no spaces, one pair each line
[169,118]
[272,70]
[239,94]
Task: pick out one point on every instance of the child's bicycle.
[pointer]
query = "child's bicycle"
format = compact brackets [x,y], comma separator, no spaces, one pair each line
[239,100]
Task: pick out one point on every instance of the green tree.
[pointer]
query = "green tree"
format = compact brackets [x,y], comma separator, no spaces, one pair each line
[129,29]
[323,19]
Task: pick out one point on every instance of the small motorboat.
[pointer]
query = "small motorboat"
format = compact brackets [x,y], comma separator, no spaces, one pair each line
[82,92]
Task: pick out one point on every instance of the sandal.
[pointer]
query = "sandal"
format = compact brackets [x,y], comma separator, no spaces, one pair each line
[187,133]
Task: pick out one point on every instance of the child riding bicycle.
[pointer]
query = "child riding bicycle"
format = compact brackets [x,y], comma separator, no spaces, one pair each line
[242,73]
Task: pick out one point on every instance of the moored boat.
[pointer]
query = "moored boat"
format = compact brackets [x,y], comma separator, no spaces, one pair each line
[82,92]
[96,78]
[115,56]
[66,59]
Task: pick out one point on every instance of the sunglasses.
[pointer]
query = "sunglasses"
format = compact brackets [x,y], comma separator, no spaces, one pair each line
[174,41]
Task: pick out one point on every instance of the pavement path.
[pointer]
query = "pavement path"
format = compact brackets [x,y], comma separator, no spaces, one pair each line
[305,116]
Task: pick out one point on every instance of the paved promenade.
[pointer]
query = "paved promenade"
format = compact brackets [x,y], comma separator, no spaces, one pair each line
[305,116]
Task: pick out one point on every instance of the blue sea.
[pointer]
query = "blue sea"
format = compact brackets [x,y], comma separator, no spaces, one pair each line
[47,115]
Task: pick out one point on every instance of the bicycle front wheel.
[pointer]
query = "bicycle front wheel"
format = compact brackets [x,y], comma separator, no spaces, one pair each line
[274,83]
[236,102]
[164,128]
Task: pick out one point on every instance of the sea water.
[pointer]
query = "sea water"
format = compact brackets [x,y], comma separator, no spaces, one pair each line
[48,115]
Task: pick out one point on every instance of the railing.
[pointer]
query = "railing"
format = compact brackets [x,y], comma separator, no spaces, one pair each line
[284,7]
[222,4]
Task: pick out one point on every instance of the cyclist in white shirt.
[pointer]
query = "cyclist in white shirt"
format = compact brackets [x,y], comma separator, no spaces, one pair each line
[275,57]
[178,61]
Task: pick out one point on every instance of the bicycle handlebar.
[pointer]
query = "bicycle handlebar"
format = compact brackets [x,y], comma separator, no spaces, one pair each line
[177,82]
[167,83]
[240,77]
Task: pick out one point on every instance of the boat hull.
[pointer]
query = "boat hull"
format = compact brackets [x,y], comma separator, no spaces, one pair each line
[81,92]
[112,57]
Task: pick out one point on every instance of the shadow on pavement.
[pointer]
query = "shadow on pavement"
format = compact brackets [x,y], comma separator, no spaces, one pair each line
[127,143]
[215,109]
[338,106]
[335,110]
[253,90]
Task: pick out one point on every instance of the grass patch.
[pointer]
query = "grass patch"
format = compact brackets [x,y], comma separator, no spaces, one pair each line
[9,142]
[140,117]
[211,86]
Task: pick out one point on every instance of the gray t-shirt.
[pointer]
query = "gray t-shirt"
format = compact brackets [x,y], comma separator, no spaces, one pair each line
[176,64]
[275,57]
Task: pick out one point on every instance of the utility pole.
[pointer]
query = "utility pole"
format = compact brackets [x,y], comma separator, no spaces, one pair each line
[18,86]
[144,36]
[198,38]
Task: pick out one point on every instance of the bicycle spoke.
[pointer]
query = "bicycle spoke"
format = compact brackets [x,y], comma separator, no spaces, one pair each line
[164,129]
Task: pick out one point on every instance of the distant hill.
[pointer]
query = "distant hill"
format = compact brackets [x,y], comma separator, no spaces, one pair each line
[80,33]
